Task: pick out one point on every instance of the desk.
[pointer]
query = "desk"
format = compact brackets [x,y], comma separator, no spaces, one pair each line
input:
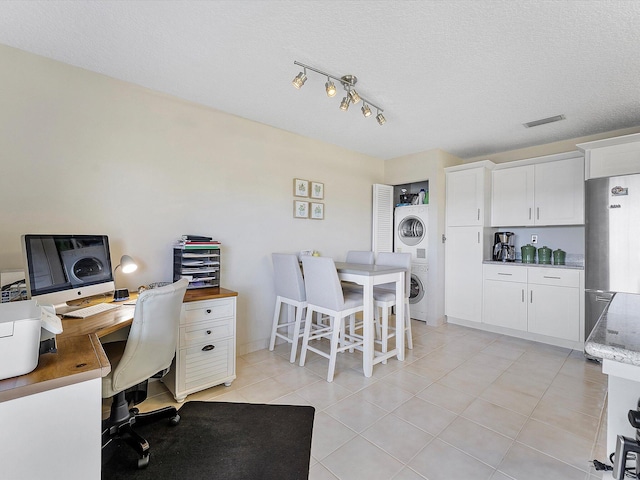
[368,276]
[51,417]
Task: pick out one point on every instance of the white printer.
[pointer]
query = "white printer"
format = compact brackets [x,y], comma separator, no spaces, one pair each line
[20,332]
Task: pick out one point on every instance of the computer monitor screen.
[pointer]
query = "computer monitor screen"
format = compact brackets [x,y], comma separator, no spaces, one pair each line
[60,268]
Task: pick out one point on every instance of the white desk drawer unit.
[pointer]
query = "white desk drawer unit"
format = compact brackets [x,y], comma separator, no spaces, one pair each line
[206,351]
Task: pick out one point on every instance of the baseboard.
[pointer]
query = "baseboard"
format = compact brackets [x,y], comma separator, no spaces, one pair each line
[534,337]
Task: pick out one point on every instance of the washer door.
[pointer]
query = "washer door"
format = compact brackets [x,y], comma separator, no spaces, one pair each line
[417,289]
[411,231]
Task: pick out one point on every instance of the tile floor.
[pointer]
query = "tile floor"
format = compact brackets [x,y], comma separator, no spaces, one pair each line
[465,404]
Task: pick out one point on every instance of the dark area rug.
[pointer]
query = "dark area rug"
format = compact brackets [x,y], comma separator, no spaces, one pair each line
[219,440]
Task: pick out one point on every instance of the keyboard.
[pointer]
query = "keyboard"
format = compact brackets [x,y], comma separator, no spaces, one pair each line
[91,310]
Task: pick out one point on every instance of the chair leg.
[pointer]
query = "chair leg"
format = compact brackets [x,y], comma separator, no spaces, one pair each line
[352,329]
[408,325]
[276,319]
[376,320]
[385,331]
[335,336]
[296,335]
[305,337]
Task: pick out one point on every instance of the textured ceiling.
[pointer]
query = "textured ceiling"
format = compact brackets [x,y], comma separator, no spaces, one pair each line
[458,75]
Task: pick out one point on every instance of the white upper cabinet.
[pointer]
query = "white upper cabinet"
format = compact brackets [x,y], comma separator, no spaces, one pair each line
[467,197]
[549,193]
[559,192]
[612,157]
[512,196]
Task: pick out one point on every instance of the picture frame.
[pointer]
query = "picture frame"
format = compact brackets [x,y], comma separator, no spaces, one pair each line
[300,187]
[300,209]
[317,190]
[316,211]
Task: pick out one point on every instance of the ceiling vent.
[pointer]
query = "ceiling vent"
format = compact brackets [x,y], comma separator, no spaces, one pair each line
[542,121]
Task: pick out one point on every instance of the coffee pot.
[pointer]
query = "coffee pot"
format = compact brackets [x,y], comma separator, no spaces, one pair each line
[503,248]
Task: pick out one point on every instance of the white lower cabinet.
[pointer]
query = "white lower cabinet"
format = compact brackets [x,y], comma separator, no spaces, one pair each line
[537,300]
[206,350]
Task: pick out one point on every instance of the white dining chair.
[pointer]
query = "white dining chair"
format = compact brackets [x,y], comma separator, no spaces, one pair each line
[325,296]
[289,291]
[384,298]
[360,256]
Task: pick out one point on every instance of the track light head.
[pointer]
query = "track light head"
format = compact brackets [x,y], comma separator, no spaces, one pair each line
[344,104]
[355,98]
[330,87]
[366,111]
[380,118]
[298,82]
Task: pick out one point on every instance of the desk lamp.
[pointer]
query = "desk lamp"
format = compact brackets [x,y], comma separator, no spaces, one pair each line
[128,265]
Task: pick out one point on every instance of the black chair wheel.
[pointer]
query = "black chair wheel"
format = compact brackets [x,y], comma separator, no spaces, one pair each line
[175,420]
[143,462]
[134,411]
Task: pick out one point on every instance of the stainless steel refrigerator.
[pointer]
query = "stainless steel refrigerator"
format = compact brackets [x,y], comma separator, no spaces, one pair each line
[612,249]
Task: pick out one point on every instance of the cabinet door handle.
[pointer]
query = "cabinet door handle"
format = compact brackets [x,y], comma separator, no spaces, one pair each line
[523,295]
[531,300]
[538,213]
[208,332]
[509,274]
[208,310]
[478,237]
[208,348]
[557,278]
[529,213]
[478,214]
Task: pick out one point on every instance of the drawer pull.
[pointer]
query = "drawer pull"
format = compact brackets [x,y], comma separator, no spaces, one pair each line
[556,278]
[208,348]
[508,274]
[208,332]
[208,310]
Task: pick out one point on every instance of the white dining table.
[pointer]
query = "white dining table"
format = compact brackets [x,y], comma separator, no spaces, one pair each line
[368,276]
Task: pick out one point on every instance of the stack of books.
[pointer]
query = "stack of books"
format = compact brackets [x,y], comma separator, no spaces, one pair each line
[196,242]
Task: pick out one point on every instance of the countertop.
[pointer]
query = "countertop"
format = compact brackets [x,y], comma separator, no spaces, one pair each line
[518,263]
[616,336]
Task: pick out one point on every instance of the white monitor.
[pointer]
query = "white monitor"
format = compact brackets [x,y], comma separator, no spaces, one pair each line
[60,268]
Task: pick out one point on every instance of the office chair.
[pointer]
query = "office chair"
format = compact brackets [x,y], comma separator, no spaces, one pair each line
[149,349]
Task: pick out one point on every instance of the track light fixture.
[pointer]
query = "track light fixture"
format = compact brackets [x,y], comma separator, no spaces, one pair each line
[347,82]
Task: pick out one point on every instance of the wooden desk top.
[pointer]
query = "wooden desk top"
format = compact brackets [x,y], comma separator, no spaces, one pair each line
[80,355]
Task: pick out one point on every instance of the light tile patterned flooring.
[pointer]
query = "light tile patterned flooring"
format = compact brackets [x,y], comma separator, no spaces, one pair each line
[465,404]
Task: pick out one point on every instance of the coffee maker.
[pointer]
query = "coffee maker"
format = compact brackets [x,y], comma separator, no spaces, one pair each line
[503,247]
[626,445]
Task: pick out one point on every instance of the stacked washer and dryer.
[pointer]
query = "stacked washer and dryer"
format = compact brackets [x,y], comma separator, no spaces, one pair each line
[410,227]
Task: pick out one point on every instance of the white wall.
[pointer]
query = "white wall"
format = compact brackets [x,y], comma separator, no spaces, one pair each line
[84,153]
[430,166]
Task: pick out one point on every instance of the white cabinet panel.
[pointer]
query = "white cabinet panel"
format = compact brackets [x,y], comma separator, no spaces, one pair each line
[465,197]
[554,311]
[505,304]
[463,273]
[512,197]
[559,192]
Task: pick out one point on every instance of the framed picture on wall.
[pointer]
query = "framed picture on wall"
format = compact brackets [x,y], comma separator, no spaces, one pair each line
[317,190]
[300,187]
[317,211]
[300,209]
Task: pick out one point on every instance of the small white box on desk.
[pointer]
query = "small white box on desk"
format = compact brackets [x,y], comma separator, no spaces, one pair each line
[19,338]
